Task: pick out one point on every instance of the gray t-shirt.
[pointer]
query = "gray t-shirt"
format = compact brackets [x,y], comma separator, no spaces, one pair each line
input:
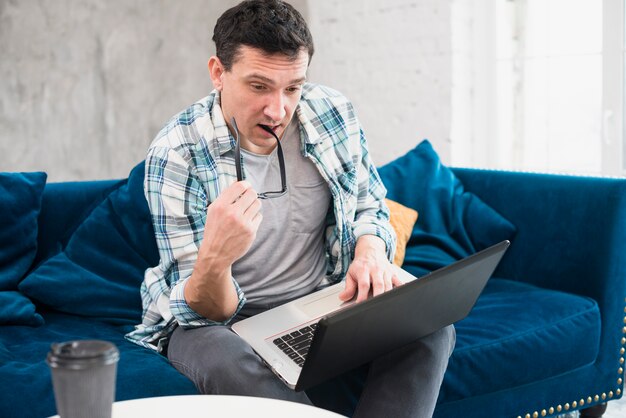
[287,257]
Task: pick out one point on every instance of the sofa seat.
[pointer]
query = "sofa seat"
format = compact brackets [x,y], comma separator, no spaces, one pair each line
[511,323]
[23,350]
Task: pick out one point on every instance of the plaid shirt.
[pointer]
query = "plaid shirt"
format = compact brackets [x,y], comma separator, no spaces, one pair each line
[192,159]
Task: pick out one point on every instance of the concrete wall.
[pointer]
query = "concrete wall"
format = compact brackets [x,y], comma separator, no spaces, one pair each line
[86,84]
[392,58]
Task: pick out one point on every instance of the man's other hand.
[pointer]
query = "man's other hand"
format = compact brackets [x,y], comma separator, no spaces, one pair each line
[370,271]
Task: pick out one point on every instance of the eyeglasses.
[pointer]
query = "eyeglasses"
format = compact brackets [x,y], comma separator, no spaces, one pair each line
[281,163]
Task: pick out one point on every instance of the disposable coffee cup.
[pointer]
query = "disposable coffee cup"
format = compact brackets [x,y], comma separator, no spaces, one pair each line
[83,377]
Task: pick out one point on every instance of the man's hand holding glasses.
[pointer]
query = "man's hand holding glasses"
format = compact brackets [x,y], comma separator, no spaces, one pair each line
[232,222]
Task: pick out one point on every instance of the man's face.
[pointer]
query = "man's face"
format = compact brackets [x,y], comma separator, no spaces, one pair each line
[259,90]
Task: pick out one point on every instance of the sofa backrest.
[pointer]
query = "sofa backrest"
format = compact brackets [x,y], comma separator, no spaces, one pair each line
[64,206]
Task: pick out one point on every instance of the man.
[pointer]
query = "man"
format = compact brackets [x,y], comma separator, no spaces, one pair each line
[226,253]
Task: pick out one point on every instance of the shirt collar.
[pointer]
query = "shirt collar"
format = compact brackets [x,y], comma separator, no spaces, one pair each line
[306,115]
[222,138]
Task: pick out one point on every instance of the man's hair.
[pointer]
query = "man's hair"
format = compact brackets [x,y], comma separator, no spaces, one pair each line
[272,26]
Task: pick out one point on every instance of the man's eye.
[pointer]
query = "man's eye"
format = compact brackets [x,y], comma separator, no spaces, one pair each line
[293,89]
[258,87]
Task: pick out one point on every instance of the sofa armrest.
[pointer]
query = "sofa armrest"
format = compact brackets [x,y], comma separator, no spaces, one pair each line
[571,230]
[571,235]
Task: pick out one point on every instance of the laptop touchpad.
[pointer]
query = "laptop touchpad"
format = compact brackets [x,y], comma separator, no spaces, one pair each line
[324,303]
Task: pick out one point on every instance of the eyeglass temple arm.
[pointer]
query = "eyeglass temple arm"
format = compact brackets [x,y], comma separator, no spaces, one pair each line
[281,159]
[237,151]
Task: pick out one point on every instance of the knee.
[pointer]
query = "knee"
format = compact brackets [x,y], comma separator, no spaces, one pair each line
[442,342]
[215,366]
[450,338]
[225,360]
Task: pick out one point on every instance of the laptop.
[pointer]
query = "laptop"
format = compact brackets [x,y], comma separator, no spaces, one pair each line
[318,336]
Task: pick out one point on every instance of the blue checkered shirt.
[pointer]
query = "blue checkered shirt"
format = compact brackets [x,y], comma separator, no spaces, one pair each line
[192,159]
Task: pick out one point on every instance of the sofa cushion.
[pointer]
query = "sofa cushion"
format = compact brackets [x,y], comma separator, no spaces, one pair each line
[402,220]
[100,270]
[64,207]
[518,333]
[20,200]
[17,309]
[452,223]
[140,372]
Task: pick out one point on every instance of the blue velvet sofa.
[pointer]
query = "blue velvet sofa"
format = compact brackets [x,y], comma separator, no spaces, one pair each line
[548,334]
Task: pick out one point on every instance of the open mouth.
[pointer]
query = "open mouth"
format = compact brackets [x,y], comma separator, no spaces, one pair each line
[270,128]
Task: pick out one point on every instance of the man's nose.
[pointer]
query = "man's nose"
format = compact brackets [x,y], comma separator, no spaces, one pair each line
[275,108]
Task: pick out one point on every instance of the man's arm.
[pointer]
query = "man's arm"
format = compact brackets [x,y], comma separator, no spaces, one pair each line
[197,245]
[371,269]
[232,222]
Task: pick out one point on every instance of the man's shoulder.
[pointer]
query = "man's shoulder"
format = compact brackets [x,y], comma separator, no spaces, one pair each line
[324,103]
[187,127]
[317,93]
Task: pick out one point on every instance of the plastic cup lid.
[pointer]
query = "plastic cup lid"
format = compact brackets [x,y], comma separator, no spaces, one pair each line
[82,354]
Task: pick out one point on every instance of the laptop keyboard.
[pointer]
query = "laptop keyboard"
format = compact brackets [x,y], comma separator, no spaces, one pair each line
[296,344]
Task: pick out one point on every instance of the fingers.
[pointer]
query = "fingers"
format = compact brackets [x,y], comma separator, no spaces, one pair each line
[235,191]
[246,198]
[364,289]
[388,280]
[241,200]
[235,214]
[365,280]
[396,281]
[377,277]
[348,292]
[381,280]
[256,220]
[253,209]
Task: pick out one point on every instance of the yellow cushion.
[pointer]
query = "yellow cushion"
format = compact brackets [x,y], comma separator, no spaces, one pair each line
[402,220]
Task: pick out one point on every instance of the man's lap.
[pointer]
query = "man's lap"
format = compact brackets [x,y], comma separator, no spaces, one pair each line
[218,361]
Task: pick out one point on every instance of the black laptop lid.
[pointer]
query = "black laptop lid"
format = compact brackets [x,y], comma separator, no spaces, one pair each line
[362,332]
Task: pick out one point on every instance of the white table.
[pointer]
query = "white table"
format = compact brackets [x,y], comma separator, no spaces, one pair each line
[192,406]
[210,406]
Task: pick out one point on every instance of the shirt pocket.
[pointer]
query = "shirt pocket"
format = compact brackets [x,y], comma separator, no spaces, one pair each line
[309,206]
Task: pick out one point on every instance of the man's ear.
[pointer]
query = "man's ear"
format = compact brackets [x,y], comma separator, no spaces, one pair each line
[216,70]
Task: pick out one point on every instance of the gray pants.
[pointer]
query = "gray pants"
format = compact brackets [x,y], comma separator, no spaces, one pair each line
[403,383]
